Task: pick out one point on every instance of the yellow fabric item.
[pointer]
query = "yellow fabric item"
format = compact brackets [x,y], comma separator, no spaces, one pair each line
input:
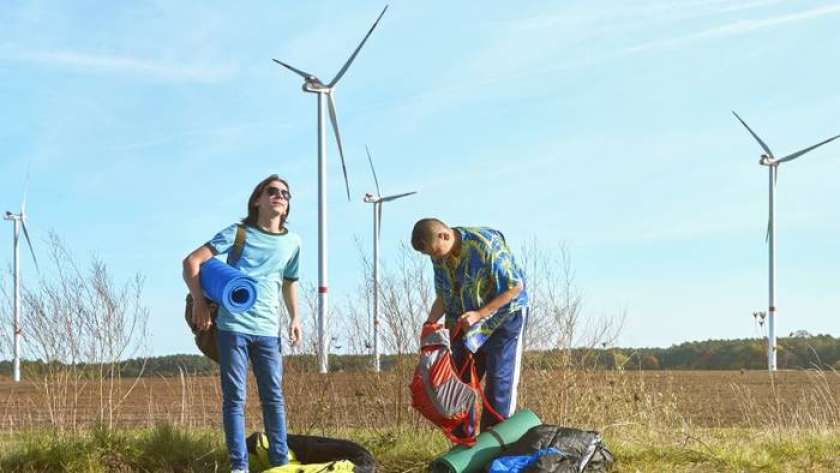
[259,460]
[341,466]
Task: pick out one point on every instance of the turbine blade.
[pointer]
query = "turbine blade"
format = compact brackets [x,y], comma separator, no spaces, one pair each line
[763,145]
[29,242]
[375,180]
[397,196]
[299,72]
[767,234]
[797,154]
[25,188]
[379,228]
[359,48]
[334,121]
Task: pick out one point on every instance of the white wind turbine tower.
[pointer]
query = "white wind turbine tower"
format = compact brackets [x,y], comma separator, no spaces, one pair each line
[772,163]
[19,220]
[377,202]
[313,84]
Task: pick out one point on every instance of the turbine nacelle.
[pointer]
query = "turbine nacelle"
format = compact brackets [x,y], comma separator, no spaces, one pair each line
[313,85]
[371,199]
[767,161]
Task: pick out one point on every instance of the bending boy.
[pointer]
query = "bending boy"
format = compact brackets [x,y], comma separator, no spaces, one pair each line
[481,290]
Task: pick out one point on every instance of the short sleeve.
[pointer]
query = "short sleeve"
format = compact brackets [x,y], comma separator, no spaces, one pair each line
[223,241]
[292,266]
[505,273]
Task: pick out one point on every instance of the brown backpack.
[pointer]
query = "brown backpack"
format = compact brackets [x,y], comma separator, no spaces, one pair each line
[205,340]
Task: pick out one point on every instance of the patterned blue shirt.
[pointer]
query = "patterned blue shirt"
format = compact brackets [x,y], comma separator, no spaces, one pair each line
[483,269]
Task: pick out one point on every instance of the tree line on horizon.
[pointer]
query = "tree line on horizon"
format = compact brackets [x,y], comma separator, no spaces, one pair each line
[795,353]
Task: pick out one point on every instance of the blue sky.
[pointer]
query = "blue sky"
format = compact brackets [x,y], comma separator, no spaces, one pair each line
[605,128]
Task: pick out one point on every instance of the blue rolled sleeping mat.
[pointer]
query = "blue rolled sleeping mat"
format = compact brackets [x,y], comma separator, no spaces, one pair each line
[227,286]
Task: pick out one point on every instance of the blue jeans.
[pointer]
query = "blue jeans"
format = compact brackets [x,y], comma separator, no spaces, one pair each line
[235,349]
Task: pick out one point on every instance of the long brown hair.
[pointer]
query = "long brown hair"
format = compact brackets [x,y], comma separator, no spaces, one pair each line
[254,211]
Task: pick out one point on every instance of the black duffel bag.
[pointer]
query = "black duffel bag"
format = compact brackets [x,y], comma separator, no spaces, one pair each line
[580,450]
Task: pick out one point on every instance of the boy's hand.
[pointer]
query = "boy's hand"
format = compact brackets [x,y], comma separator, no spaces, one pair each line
[201,314]
[468,319]
[295,332]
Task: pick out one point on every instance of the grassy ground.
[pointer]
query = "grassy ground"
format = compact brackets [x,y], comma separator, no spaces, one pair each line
[162,449]
[167,449]
[651,421]
[726,449]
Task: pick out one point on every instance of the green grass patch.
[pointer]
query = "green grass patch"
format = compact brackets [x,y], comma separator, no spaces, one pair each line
[169,449]
[729,449]
[162,449]
[399,450]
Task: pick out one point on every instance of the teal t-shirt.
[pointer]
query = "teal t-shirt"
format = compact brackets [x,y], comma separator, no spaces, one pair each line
[269,258]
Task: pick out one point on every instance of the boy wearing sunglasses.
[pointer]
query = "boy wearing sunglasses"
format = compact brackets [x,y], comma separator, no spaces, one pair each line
[481,290]
[270,255]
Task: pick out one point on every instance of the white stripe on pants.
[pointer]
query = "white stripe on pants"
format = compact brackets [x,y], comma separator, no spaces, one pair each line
[517,367]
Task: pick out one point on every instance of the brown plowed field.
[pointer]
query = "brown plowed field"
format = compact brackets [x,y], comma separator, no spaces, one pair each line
[313,401]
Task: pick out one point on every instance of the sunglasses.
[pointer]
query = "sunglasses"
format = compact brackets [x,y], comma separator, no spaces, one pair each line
[276,191]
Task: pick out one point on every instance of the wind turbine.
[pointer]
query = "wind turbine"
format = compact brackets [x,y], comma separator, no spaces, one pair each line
[313,85]
[19,220]
[377,202]
[769,159]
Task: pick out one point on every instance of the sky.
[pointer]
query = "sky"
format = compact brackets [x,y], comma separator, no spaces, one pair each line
[607,129]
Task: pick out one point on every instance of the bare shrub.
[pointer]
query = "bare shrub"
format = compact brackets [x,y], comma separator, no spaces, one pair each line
[555,313]
[356,323]
[80,327]
[406,294]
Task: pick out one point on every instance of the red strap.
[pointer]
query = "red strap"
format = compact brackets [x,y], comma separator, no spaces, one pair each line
[484,400]
[457,330]
[470,362]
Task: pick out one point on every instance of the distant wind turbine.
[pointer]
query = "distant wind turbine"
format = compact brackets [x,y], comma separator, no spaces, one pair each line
[377,202]
[312,84]
[769,159]
[19,220]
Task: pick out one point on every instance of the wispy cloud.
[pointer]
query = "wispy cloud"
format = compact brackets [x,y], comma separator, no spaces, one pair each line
[608,18]
[121,64]
[221,133]
[738,27]
[510,55]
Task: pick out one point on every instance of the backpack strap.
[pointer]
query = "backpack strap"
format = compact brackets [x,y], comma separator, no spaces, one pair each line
[474,377]
[469,364]
[238,244]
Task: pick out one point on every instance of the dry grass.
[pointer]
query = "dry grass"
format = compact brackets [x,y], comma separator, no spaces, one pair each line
[653,421]
[599,400]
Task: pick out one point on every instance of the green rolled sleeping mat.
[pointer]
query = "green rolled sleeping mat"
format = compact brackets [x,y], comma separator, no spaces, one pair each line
[487,446]
[310,454]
